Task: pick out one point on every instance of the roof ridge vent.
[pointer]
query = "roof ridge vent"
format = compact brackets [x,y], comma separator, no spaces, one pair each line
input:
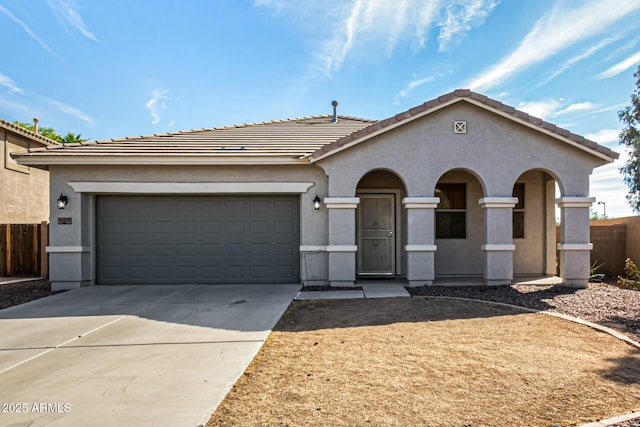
[334,103]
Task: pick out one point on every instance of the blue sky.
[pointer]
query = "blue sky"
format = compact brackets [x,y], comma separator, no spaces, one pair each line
[117,68]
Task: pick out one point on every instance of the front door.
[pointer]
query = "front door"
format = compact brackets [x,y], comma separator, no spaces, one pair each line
[376,235]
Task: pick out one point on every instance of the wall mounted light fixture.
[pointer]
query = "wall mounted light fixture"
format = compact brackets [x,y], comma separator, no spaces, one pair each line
[62,201]
[316,202]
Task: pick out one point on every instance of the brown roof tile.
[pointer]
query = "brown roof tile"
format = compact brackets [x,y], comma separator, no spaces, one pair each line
[12,127]
[292,138]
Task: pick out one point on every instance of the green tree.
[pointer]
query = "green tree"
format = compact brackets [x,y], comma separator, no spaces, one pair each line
[630,137]
[52,134]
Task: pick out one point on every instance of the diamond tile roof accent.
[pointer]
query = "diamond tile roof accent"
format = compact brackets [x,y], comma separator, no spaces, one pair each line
[473,98]
[27,133]
[293,138]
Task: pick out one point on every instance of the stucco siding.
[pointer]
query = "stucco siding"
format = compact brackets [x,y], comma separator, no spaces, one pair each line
[24,195]
[498,151]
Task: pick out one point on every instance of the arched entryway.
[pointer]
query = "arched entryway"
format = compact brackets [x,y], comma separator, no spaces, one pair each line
[459,226]
[379,225]
[534,225]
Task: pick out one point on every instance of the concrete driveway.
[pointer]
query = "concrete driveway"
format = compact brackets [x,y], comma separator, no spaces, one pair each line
[131,355]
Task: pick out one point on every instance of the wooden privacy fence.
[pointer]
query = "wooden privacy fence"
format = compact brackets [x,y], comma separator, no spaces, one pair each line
[614,240]
[23,250]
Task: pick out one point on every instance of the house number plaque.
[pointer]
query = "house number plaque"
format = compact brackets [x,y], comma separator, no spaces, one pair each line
[64,220]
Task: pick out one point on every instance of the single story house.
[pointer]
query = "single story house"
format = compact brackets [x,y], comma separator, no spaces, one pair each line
[24,193]
[460,186]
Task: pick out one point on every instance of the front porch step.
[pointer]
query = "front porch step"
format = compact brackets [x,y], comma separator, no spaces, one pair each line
[369,290]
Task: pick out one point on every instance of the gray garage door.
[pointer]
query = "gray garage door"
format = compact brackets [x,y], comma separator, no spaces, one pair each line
[197,239]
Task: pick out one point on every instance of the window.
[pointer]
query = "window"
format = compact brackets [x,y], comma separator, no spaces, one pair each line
[518,212]
[12,145]
[451,211]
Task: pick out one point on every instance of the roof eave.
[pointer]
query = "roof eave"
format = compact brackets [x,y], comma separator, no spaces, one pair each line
[39,161]
[26,133]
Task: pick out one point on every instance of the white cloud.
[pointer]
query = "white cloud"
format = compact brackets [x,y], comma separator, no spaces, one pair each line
[604,136]
[606,182]
[541,109]
[554,33]
[18,110]
[365,25]
[585,55]
[72,111]
[620,67]
[66,10]
[580,106]
[415,83]
[607,185]
[461,16]
[157,103]
[29,31]
[7,82]
[554,108]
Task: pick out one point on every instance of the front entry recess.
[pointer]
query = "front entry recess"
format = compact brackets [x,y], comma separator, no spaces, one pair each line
[376,235]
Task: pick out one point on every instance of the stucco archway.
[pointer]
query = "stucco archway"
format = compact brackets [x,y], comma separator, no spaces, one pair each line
[380,225]
[534,224]
[459,225]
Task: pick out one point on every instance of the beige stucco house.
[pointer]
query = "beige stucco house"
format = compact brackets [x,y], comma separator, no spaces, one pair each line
[24,193]
[461,186]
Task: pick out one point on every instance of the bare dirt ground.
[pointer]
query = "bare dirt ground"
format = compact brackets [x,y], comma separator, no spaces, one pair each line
[432,362]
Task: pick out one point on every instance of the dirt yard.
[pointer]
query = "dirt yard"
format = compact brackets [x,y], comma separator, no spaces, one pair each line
[436,362]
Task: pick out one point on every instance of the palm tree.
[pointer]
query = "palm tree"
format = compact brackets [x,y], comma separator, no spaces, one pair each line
[70,138]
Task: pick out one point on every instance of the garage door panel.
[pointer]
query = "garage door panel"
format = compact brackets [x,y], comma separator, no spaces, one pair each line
[197,239]
[187,226]
[187,249]
[260,249]
[283,226]
[136,249]
[162,249]
[285,249]
[162,226]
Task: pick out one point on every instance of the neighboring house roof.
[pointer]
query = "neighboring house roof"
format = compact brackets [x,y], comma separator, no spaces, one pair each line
[279,141]
[11,127]
[474,98]
[301,140]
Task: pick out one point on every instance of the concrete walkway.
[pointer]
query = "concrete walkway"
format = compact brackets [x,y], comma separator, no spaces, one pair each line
[369,290]
[131,355]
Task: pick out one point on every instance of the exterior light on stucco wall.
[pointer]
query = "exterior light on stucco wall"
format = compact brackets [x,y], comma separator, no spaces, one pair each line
[316,202]
[62,201]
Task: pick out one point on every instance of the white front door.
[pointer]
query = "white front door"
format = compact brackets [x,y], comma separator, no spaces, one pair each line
[376,234]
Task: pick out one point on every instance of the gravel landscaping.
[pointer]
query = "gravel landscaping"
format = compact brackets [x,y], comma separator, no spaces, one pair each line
[601,303]
[21,292]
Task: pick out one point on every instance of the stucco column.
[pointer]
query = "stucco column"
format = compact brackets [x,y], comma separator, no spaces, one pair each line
[71,241]
[342,240]
[574,246]
[498,244]
[420,245]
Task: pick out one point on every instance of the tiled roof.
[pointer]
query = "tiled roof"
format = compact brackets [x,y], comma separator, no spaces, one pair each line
[450,98]
[290,141]
[26,133]
[292,138]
